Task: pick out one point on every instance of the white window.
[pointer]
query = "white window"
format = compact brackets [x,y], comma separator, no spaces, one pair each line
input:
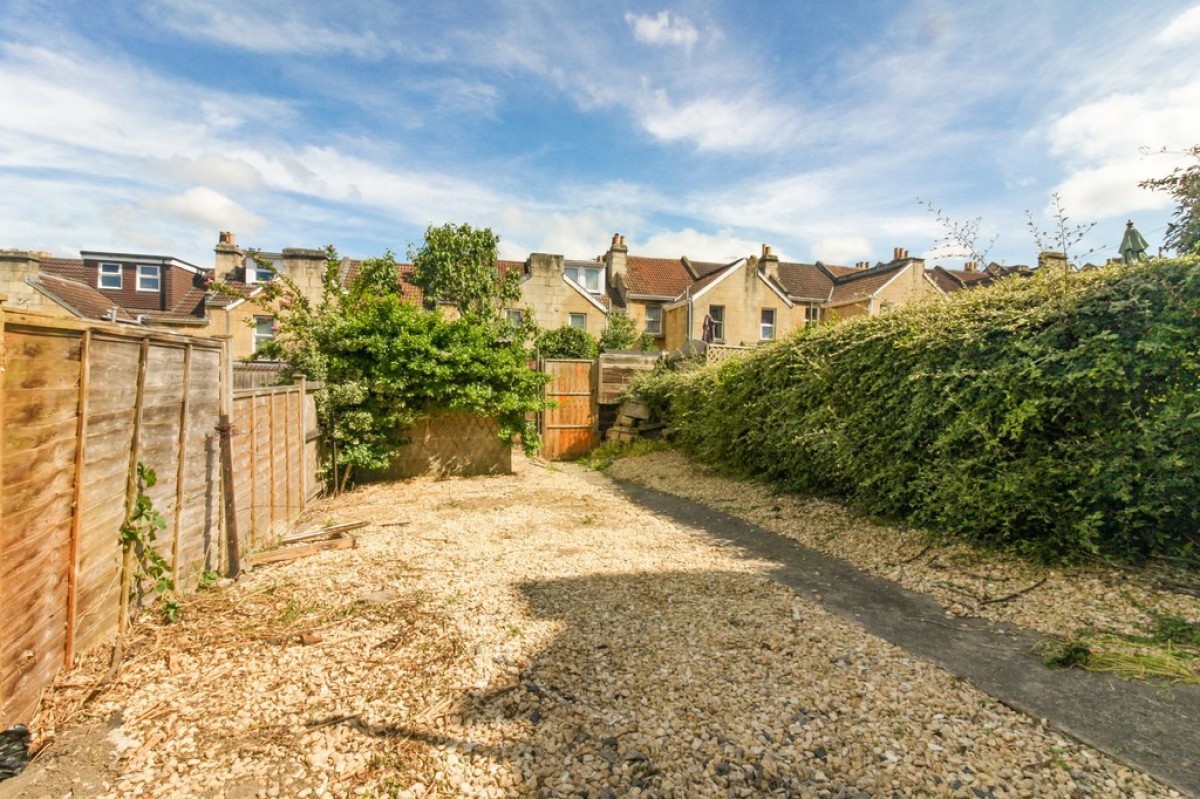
[654,320]
[586,277]
[264,330]
[110,276]
[149,277]
[812,315]
[261,272]
[579,320]
[767,325]
[717,312]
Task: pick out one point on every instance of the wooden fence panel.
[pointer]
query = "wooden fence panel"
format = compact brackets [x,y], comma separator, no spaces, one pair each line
[69,420]
[275,457]
[41,418]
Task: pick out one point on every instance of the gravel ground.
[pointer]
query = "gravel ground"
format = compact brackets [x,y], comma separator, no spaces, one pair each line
[539,635]
[961,577]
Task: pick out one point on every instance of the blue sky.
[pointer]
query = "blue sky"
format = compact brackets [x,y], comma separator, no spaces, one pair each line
[699,128]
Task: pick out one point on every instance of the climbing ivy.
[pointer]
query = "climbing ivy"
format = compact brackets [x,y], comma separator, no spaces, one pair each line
[138,534]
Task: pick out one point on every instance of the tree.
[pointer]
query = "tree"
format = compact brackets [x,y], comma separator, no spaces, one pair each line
[567,342]
[959,239]
[621,333]
[1062,237]
[457,264]
[1183,235]
[386,363]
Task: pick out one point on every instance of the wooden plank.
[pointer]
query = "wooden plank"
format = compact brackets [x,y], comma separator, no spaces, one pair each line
[27,406]
[284,554]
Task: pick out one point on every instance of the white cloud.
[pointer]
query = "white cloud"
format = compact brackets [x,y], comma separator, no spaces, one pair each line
[843,249]
[1110,189]
[1183,29]
[212,209]
[663,29]
[273,28]
[724,245]
[716,123]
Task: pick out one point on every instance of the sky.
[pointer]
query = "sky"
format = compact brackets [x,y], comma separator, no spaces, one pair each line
[703,128]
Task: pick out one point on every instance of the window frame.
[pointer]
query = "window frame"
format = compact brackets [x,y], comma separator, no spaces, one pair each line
[718,322]
[515,316]
[572,317]
[259,339]
[158,277]
[654,326]
[579,274]
[812,315]
[764,327]
[119,275]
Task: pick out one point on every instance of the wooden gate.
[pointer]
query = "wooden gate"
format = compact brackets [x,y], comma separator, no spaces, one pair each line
[571,428]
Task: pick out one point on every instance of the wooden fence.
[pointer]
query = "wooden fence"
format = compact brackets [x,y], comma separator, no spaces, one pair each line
[81,404]
[719,353]
[274,459]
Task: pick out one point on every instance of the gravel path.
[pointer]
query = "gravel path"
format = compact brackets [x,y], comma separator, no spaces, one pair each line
[965,580]
[540,635]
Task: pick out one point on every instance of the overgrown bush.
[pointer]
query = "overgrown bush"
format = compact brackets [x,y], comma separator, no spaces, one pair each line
[386,363]
[1056,414]
[567,342]
[621,333]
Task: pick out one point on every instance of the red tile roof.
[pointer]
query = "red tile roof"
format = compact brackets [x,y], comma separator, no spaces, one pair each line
[77,297]
[70,268]
[657,277]
[805,281]
[864,282]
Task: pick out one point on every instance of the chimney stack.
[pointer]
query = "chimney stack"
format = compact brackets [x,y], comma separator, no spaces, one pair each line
[1054,261]
[615,263]
[971,266]
[228,255]
[768,264]
[16,268]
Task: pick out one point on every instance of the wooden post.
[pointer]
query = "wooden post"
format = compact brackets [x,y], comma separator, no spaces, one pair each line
[131,488]
[252,467]
[181,463]
[85,342]
[302,386]
[228,516]
[271,457]
[233,545]
[225,398]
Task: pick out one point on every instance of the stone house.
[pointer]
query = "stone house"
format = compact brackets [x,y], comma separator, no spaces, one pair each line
[754,299]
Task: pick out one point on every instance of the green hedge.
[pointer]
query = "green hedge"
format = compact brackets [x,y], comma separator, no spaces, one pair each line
[1055,414]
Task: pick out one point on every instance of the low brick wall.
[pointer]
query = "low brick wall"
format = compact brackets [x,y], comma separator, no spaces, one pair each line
[449,444]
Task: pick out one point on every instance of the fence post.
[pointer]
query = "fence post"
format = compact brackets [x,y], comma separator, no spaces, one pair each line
[181,461]
[302,386]
[85,372]
[131,488]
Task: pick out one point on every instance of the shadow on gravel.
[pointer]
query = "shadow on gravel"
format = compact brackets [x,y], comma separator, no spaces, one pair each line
[1153,726]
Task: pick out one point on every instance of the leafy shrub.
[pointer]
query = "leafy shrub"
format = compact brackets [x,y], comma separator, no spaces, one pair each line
[1055,414]
[621,333]
[386,363]
[568,342]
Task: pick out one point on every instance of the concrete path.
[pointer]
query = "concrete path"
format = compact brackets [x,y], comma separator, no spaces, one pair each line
[1152,726]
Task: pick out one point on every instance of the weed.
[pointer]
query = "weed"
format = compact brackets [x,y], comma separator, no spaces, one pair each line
[1172,628]
[603,456]
[1066,654]
[209,579]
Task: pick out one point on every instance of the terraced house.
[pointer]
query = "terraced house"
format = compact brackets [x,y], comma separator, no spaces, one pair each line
[742,302]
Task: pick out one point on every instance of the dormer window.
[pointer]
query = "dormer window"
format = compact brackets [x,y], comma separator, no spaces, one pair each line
[110,276]
[261,270]
[149,277]
[587,277]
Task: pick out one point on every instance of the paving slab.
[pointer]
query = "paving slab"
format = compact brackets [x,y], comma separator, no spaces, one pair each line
[1154,727]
